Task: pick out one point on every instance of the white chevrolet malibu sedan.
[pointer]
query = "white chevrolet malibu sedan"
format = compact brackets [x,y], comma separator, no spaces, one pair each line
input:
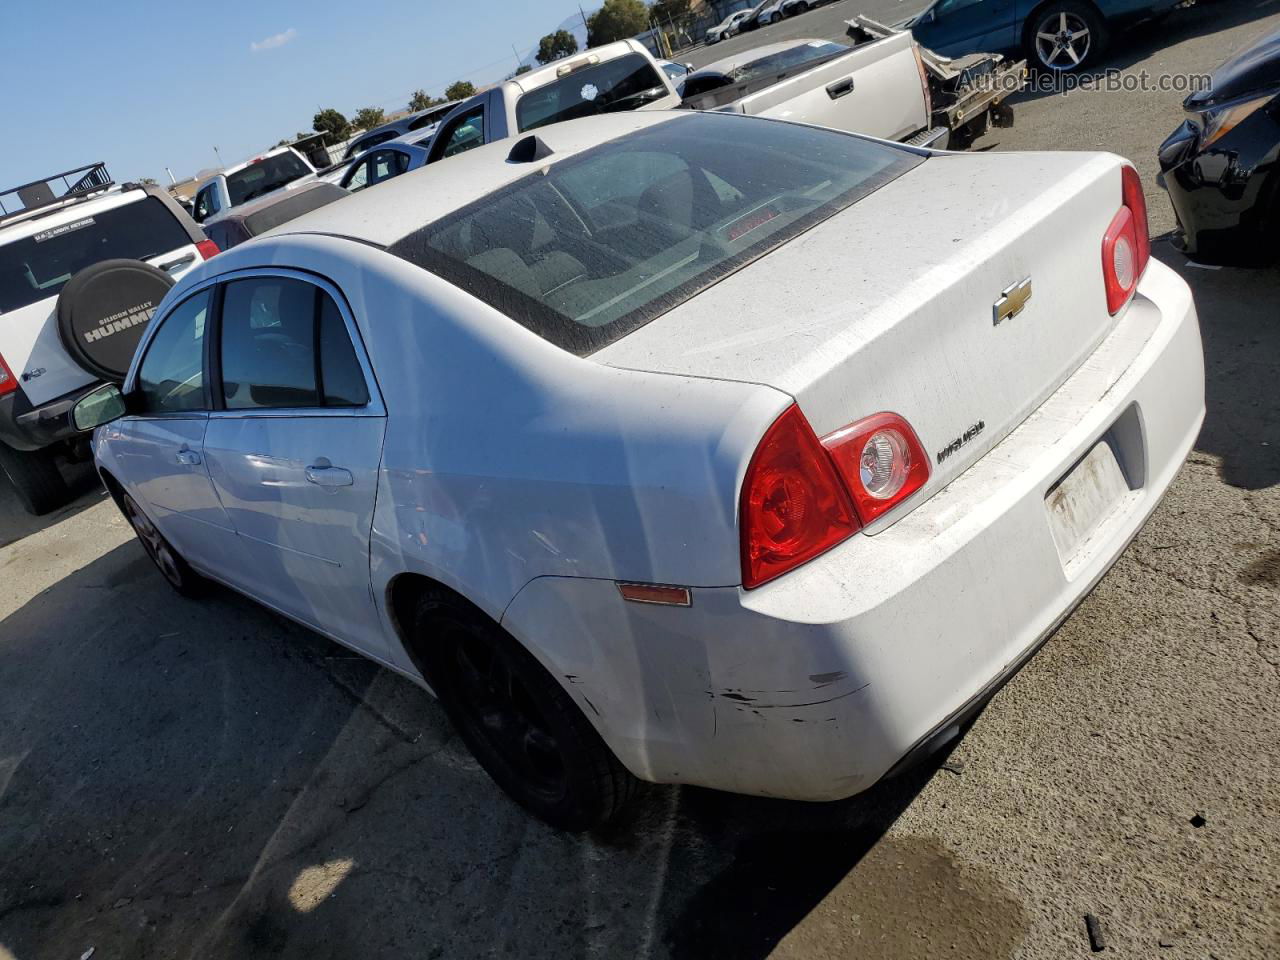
[686,447]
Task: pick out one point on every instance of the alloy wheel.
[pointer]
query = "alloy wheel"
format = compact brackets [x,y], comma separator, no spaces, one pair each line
[1063,41]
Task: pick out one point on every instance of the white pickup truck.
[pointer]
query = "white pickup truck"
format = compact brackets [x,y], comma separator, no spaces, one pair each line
[280,169]
[882,85]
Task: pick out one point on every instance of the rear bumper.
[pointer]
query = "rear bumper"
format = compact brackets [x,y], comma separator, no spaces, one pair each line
[816,685]
[24,427]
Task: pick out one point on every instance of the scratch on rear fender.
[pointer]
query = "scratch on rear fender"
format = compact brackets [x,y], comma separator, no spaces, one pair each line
[756,704]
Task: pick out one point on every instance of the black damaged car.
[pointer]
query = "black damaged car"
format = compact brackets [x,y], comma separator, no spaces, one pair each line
[1220,166]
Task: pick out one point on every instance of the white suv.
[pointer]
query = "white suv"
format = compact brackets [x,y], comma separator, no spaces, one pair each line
[83,263]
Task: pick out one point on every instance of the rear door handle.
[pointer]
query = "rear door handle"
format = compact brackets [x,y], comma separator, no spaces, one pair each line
[841,88]
[323,475]
[189,458]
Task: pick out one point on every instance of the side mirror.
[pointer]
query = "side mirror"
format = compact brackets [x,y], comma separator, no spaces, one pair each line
[98,407]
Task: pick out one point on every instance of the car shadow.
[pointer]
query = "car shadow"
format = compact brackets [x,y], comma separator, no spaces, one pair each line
[1241,334]
[204,779]
[1138,43]
[16,524]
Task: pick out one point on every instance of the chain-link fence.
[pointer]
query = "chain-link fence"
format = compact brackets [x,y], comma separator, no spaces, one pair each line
[674,34]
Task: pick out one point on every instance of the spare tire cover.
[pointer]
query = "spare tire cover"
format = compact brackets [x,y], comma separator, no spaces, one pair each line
[103,311]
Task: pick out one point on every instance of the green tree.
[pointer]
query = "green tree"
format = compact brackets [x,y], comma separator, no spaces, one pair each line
[523,68]
[332,124]
[369,117]
[460,90]
[668,10]
[421,100]
[617,20]
[555,46]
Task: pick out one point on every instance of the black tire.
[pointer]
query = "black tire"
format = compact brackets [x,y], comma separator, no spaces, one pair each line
[36,479]
[518,722]
[801,7]
[175,570]
[776,18]
[1045,37]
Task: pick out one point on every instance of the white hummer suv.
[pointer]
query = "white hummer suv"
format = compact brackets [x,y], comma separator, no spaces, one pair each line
[83,263]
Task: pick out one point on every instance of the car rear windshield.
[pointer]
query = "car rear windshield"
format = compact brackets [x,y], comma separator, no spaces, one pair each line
[611,87]
[270,173]
[601,243]
[37,267]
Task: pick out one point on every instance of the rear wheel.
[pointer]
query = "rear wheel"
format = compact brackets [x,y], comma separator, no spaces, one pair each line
[1064,36]
[172,567]
[776,18]
[35,478]
[519,723]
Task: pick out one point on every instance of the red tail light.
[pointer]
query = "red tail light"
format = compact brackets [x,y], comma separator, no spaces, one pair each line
[793,507]
[880,461]
[207,249]
[802,496]
[8,382]
[1126,249]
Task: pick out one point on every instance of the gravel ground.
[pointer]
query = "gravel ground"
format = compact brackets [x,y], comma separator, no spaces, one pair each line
[203,779]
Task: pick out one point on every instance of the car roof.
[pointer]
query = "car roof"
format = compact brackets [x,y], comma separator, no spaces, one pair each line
[729,64]
[259,204]
[414,138]
[22,224]
[414,199]
[401,124]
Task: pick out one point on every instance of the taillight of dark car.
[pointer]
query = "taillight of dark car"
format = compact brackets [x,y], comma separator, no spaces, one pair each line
[802,496]
[1126,247]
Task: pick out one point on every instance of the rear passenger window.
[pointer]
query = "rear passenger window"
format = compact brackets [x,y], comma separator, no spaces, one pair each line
[340,373]
[283,341]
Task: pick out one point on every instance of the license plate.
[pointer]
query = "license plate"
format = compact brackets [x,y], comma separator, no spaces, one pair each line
[1083,500]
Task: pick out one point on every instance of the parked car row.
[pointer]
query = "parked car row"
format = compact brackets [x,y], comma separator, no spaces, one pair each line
[763,14]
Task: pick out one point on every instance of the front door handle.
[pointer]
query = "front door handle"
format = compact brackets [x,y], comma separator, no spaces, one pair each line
[841,88]
[324,475]
[188,458]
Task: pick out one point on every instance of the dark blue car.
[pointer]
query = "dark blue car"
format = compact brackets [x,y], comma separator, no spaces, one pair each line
[1054,35]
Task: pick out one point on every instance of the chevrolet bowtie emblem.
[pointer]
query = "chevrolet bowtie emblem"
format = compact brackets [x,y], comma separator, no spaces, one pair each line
[1012,302]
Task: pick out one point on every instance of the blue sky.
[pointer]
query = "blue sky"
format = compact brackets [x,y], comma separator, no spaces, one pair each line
[149,85]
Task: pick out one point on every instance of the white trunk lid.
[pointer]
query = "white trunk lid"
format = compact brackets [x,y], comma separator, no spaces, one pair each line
[889,306]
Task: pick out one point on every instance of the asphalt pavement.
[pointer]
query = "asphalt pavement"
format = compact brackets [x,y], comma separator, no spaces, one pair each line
[203,779]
